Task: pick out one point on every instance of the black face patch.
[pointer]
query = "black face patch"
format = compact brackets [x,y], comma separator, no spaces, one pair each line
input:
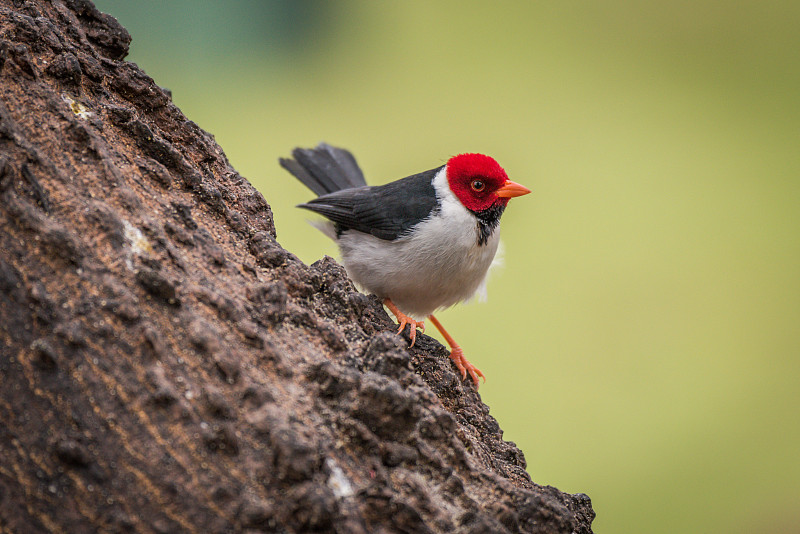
[488,220]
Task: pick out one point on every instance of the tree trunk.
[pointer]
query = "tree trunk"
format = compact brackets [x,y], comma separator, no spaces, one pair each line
[165,366]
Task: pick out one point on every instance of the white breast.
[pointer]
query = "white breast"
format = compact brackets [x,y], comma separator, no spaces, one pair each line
[439,265]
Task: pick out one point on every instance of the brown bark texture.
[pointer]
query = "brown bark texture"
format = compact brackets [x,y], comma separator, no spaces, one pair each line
[166,366]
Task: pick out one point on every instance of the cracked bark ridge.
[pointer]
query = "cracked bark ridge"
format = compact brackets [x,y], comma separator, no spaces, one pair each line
[167,367]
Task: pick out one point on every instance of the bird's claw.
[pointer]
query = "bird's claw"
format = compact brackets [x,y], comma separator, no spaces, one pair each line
[464,367]
[406,320]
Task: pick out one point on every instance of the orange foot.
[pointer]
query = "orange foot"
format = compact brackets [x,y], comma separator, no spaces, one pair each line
[404,319]
[457,355]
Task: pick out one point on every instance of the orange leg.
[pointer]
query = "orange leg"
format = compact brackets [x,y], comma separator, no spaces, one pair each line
[457,355]
[404,319]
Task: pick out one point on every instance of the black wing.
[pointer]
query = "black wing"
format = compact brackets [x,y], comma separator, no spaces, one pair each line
[324,169]
[385,211]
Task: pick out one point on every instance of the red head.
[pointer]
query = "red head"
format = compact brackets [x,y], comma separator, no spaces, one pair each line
[480,183]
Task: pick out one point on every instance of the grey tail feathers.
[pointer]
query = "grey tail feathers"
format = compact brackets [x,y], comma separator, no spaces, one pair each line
[324,169]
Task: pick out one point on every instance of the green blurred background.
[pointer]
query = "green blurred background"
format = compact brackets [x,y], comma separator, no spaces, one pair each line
[642,340]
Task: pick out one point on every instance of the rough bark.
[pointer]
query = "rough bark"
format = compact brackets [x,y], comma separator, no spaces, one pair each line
[167,367]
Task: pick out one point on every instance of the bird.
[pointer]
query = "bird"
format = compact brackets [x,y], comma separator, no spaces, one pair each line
[421,243]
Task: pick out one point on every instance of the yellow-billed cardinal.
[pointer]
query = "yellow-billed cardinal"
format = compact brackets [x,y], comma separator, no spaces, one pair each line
[421,243]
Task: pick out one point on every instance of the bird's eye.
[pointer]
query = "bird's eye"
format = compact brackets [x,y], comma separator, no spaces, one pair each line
[477,185]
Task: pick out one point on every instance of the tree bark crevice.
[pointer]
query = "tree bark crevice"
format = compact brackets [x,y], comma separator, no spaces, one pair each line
[166,366]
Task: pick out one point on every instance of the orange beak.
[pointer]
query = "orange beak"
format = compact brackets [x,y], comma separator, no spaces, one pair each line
[512,189]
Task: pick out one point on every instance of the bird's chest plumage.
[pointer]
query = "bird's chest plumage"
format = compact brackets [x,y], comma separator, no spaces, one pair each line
[442,262]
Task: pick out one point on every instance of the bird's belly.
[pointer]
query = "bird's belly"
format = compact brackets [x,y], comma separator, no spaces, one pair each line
[420,273]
